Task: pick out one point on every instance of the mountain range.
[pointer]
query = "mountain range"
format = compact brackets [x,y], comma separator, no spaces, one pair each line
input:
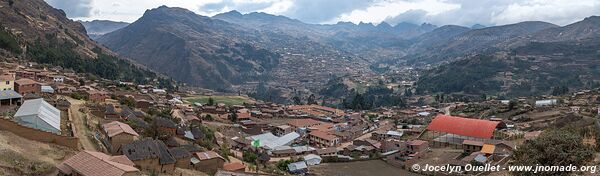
[97,28]
[532,64]
[233,49]
[206,51]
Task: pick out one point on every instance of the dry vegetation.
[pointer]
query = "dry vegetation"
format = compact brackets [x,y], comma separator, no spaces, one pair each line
[20,156]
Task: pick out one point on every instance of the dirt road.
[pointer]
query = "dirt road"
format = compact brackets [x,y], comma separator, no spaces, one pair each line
[81,131]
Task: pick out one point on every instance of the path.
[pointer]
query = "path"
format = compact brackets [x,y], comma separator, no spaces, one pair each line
[81,131]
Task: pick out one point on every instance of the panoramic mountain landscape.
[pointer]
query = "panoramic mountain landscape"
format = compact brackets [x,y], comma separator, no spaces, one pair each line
[286,87]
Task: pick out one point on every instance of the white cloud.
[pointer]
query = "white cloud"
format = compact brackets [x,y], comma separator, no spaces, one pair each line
[560,12]
[388,9]
[440,12]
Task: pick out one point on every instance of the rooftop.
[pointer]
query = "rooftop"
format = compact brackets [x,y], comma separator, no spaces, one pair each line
[463,126]
[323,135]
[97,164]
[116,127]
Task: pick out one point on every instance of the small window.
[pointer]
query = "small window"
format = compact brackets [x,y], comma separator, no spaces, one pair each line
[7,82]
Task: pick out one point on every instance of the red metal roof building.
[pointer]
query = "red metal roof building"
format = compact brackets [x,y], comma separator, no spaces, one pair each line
[463,126]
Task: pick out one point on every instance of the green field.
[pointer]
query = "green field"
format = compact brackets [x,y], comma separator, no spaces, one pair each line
[227,100]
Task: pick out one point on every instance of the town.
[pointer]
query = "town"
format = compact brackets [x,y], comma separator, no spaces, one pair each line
[121,128]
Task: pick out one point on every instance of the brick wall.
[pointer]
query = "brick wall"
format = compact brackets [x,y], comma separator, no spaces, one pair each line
[37,135]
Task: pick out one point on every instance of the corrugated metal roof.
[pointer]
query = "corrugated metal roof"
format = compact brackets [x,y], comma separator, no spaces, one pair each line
[270,141]
[463,126]
[42,110]
[9,94]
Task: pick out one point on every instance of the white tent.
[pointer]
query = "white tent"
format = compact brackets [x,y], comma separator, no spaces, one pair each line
[312,159]
[270,141]
[39,114]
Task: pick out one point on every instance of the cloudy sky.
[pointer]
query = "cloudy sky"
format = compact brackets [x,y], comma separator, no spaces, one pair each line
[439,12]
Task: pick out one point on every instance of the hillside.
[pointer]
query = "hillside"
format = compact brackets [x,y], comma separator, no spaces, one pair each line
[363,39]
[97,28]
[483,40]
[193,48]
[33,30]
[562,56]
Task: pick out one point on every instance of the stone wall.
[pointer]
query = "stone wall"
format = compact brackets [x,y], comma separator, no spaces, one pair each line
[38,135]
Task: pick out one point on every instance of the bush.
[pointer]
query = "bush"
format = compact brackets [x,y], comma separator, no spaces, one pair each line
[249,156]
[553,148]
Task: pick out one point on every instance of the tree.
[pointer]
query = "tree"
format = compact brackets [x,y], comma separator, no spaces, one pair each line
[555,147]
[249,156]
[211,101]
[408,92]
[311,99]
[208,117]
[225,152]
[297,100]
[283,164]
[511,105]
[233,117]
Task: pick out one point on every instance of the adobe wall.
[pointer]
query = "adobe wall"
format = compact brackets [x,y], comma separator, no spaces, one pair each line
[38,135]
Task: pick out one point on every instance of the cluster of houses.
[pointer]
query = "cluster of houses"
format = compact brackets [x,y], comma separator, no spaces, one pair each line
[135,140]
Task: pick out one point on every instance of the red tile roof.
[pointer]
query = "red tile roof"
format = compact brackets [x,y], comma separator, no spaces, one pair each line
[116,127]
[90,163]
[233,166]
[323,135]
[303,122]
[207,155]
[323,127]
[416,142]
[25,81]
[243,115]
[463,126]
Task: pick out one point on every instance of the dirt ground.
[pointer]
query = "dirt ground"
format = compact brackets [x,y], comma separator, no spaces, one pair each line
[20,156]
[372,167]
[440,156]
[82,132]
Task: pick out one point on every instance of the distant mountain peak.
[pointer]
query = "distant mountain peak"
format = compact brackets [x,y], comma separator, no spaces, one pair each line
[384,25]
[478,26]
[234,13]
[365,24]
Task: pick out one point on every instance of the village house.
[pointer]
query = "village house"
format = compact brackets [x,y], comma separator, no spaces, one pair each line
[382,135]
[7,82]
[88,163]
[282,130]
[166,126]
[329,151]
[151,155]
[57,78]
[323,139]
[470,146]
[110,112]
[182,155]
[143,104]
[208,162]
[417,146]
[234,167]
[117,134]
[27,86]
[96,96]
[10,98]
[302,123]
[25,74]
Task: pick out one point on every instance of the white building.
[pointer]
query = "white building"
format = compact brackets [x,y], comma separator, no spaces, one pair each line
[40,115]
[549,102]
